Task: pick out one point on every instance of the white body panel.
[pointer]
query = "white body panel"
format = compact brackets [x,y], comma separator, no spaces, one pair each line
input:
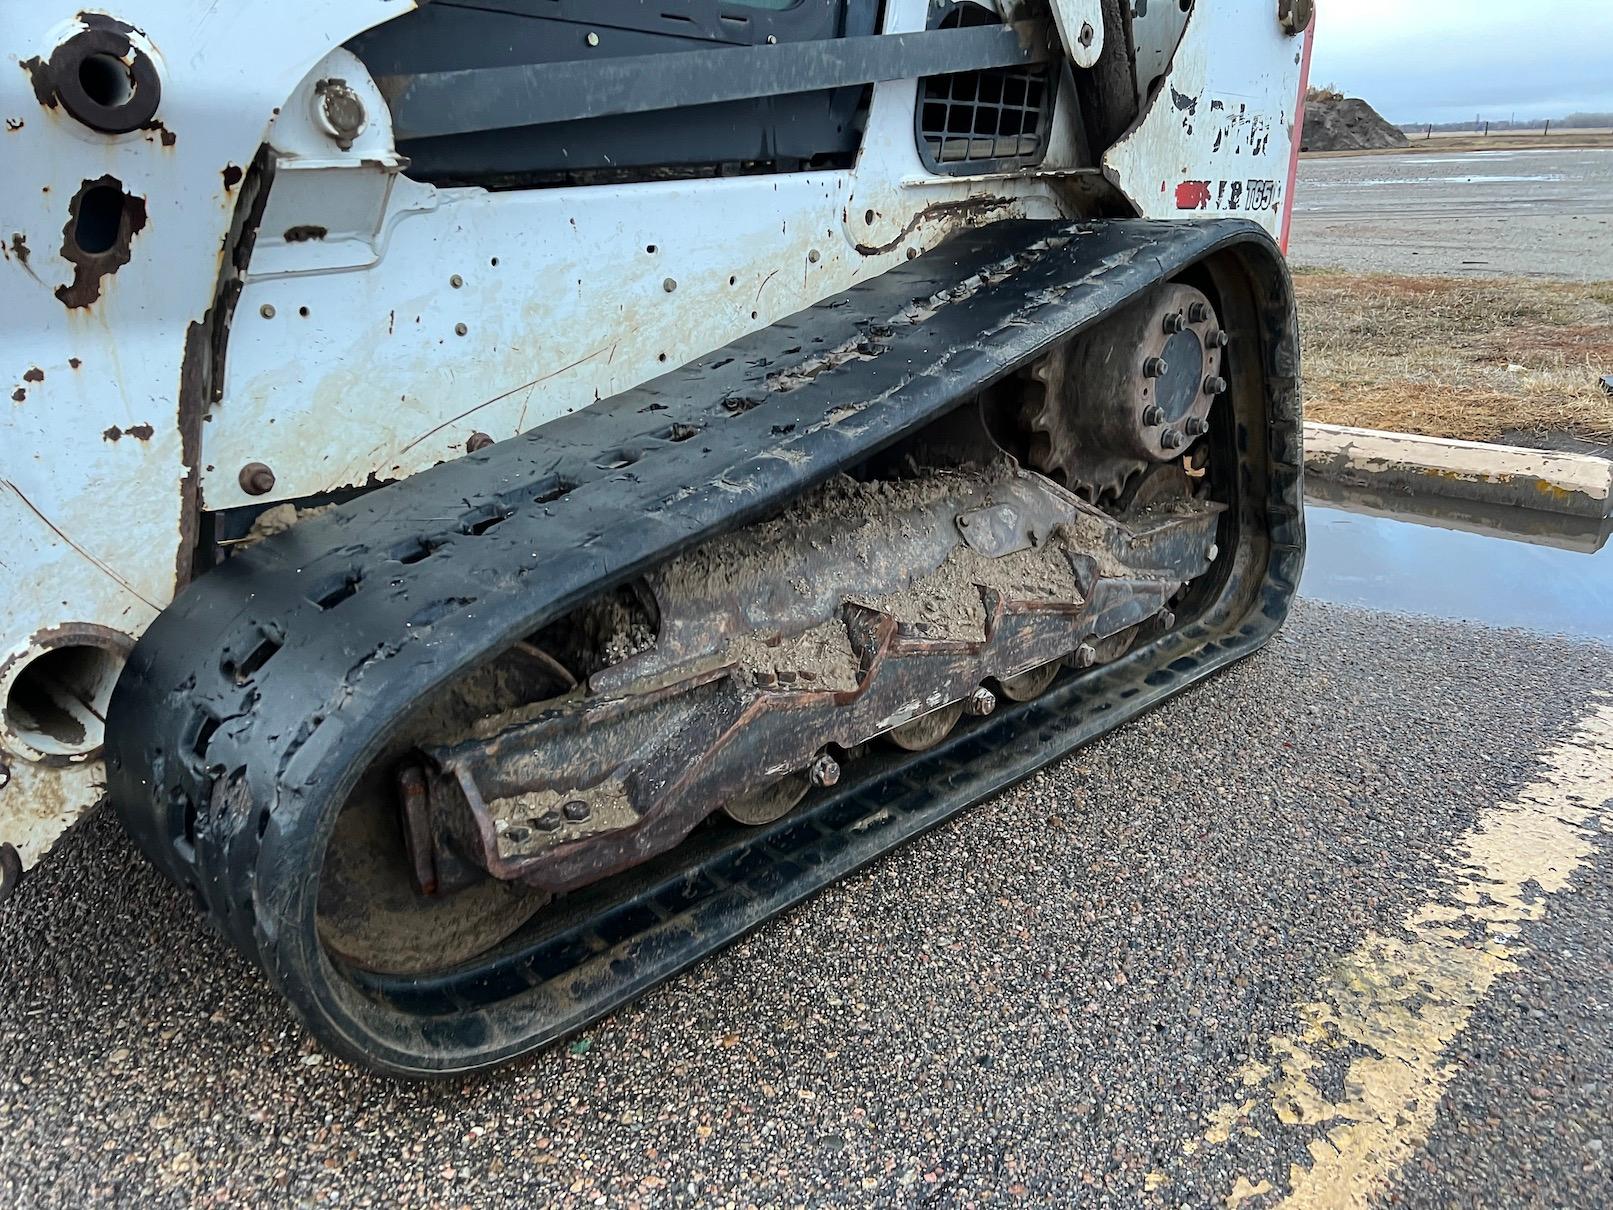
[377,381]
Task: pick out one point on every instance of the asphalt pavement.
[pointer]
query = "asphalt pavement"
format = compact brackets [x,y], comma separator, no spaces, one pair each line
[1343,913]
[1542,213]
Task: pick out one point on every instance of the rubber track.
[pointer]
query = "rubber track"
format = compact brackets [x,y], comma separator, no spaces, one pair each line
[252,702]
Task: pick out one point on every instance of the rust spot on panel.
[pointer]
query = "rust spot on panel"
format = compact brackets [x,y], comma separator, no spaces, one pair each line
[141,432]
[74,362]
[167,137]
[296,235]
[18,395]
[19,247]
[34,374]
[112,434]
[232,176]
[102,221]
[14,124]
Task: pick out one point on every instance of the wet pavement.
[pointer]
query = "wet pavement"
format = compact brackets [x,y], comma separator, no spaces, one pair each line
[1336,924]
[1495,213]
[1508,568]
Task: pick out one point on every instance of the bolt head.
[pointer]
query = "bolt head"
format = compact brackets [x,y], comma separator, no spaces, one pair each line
[1196,426]
[1213,553]
[1214,385]
[1218,339]
[824,770]
[670,284]
[1153,415]
[266,310]
[1171,439]
[1084,656]
[1175,322]
[549,821]
[576,810]
[1154,367]
[592,39]
[256,479]
[982,702]
[477,441]
[1167,620]
[460,329]
[1198,312]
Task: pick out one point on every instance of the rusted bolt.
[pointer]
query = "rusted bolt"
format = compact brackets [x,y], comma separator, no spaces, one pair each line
[477,441]
[256,479]
[812,256]
[1214,384]
[460,329]
[824,770]
[1153,415]
[339,111]
[1295,15]
[576,810]
[266,310]
[1087,34]
[1171,439]
[669,285]
[456,281]
[1218,339]
[549,821]
[1196,426]
[1154,367]
[766,678]
[981,702]
[1084,656]
[592,39]
[1198,312]
[1174,323]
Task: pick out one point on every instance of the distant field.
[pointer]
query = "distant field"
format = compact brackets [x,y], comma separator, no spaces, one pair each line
[1462,142]
[1476,358]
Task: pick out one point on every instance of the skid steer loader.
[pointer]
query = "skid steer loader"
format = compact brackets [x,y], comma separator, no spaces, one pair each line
[504,497]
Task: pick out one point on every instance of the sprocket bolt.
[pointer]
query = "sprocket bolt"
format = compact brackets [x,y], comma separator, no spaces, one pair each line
[982,702]
[1084,656]
[576,810]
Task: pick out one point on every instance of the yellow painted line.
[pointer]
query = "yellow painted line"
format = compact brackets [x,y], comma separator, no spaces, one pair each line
[1397,1002]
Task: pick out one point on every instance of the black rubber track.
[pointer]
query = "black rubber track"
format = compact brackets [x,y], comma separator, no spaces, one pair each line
[251,705]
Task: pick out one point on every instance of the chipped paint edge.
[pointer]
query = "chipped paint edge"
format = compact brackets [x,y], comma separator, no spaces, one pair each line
[1579,485]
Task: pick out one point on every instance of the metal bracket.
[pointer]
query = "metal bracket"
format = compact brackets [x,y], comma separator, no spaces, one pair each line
[501,98]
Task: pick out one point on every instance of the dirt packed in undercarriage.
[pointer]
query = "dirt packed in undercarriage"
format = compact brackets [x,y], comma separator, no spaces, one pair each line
[868,521]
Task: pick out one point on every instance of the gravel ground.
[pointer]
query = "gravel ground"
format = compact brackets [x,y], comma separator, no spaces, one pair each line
[1493,213]
[1040,1001]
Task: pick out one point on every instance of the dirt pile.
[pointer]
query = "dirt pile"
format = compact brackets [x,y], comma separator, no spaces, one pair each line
[1335,123]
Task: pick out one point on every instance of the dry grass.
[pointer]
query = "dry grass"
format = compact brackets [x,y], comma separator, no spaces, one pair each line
[1454,143]
[1457,357]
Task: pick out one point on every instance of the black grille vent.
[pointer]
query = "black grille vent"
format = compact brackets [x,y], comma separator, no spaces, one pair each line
[984,121]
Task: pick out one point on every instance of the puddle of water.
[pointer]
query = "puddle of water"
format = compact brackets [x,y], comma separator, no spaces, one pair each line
[1451,180]
[1534,571]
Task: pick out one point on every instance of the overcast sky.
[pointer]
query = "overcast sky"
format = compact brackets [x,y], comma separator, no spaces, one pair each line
[1446,60]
